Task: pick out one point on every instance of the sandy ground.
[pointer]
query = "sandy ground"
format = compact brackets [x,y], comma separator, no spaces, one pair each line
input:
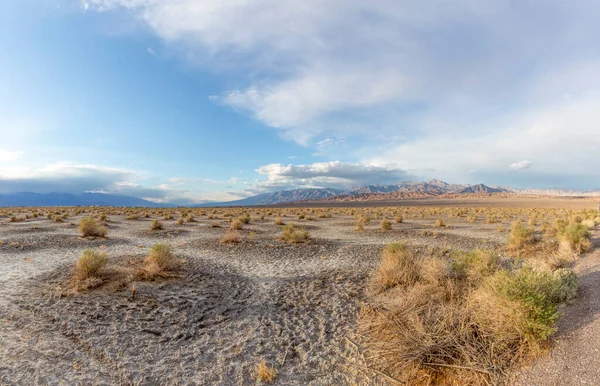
[575,355]
[294,306]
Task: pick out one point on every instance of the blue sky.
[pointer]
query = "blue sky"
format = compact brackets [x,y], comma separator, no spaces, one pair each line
[193,100]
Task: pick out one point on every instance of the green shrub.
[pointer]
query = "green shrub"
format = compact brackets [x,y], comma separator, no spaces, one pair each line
[577,235]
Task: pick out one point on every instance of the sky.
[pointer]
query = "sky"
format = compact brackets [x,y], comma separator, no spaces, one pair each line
[188,101]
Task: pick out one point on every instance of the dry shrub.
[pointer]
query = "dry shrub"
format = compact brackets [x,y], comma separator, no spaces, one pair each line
[245,219]
[89,227]
[265,373]
[90,264]
[359,226]
[520,237]
[398,219]
[385,225]
[278,221]
[231,237]
[294,235]
[156,226]
[397,266]
[577,237]
[466,321]
[236,224]
[162,256]
[439,223]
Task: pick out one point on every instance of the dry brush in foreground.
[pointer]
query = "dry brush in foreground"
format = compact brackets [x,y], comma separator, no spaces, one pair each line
[464,320]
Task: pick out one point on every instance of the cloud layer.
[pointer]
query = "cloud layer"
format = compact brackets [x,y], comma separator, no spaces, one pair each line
[330,174]
[456,90]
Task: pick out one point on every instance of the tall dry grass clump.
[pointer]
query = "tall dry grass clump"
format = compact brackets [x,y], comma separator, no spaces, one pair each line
[89,227]
[236,224]
[265,373]
[159,262]
[161,255]
[232,236]
[577,237]
[294,235]
[465,320]
[385,224]
[90,264]
[156,226]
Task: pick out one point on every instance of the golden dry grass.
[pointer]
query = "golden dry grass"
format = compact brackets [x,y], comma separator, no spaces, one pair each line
[265,373]
[90,264]
[89,227]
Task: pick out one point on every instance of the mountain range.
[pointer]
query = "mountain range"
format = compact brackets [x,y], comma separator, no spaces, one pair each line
[399,191]
[70,199]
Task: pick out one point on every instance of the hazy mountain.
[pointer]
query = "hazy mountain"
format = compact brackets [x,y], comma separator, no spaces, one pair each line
[280,197]
[480,188]
[70,199]
[399,191]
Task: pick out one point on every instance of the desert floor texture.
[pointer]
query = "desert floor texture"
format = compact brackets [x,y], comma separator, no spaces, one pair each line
[232,305]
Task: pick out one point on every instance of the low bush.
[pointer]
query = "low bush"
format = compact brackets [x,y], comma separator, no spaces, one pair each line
[231,237]
[160,258]
[90,264]
[294,235]
[156,226]
[89,227]
[466,320]
[385,225]
[577,237]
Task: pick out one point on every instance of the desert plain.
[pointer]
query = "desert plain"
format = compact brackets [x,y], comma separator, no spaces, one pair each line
[228,307]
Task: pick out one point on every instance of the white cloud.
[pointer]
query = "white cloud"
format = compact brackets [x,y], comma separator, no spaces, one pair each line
[315,59]
[562,138]
[454,90]
[329,174]
[520,165]
[7,156]
[65,177]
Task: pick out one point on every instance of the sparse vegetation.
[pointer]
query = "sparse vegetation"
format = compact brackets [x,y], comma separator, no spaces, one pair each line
[464,321]
[90,264]
[294,235]
[385,225]
[231,237]
[156,226]
[265,373]
[89,227]
[160,259]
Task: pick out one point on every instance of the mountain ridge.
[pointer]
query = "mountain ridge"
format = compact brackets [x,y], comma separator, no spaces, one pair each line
[376,192]
[74,199]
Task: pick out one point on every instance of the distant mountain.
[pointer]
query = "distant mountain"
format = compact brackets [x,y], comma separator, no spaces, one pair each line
[481,188]
[70,199]
[399,191]
[280,197]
